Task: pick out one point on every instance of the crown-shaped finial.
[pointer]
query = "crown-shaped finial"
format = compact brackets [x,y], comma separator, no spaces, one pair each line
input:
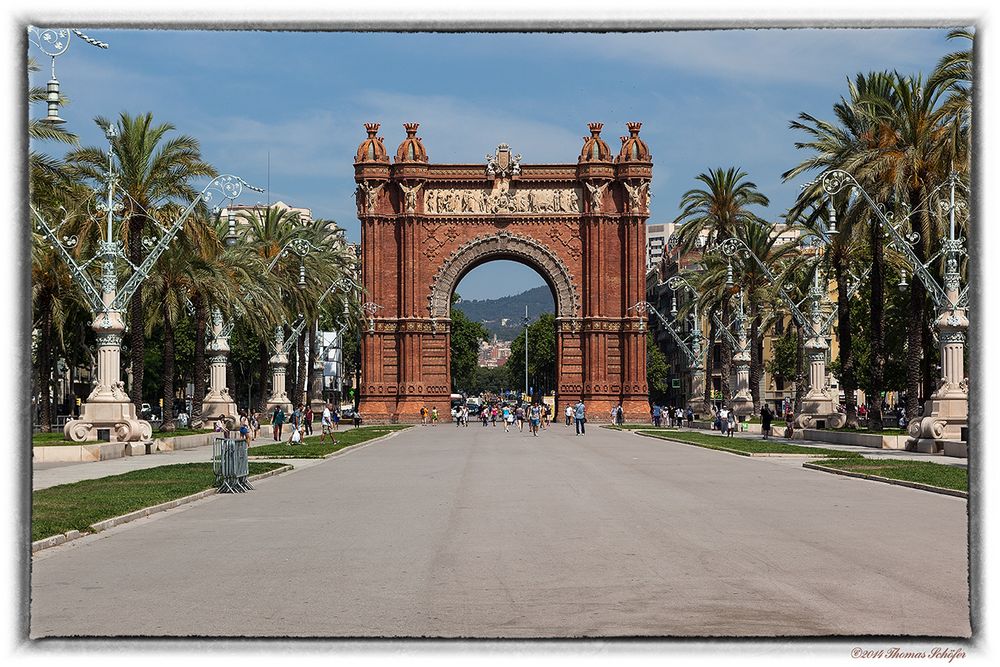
[624,139]
[595,128]
[634,128]
[372,128]
[411,128]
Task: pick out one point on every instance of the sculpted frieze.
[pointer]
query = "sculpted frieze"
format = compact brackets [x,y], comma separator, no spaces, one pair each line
[447,201]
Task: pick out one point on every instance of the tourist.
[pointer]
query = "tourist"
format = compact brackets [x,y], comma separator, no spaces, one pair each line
[336,419]
[245,429]
[620,414]
[789,423]
[326,424]
[423,415]
[484,417]
[277,420]
[657,415]
[544,408]
[465,416]
[723,420]
[535,416]
[296,436]
[580,415]
[690,416]
[308,416]
[434,415]
[493,415]
[357,418]
[255,425]
[734,422]
[766,416]
[508,419]
[569,415]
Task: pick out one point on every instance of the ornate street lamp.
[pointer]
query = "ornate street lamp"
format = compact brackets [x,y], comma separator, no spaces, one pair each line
[818,403]
[54,42]
[696,401]
[109,413]
[946,412]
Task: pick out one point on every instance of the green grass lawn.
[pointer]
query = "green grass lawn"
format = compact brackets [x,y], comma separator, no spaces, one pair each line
[633,427]
[77,506]
[924,472]
[55,439]
[311,448]
[746,446]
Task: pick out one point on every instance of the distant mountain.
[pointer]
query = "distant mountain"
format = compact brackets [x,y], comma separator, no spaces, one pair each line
[493,312]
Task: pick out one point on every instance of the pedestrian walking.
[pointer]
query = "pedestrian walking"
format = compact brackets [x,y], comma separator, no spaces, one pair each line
[679,416]
[569,415]
[357,418]
[308,419]
[789,423]
[535,417]
[423,415]
[657,415]
[723,420]
[434,415]
[766,416]
[296,436]
[580,415]
[493,415]
[277,421]
[245,429]
[690,416]
[734,422]
[326,425]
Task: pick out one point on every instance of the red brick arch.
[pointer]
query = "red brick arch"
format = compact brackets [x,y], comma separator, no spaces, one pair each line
[424,226]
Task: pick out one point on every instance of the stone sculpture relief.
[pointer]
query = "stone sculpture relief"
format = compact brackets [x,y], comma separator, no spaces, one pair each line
[486,202]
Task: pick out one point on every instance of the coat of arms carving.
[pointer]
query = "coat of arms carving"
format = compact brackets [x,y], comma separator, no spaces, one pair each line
[502,164]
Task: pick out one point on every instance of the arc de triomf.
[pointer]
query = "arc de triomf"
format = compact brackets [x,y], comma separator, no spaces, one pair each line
[581,226]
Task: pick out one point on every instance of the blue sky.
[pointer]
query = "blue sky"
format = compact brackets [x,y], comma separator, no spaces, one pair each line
[706,99]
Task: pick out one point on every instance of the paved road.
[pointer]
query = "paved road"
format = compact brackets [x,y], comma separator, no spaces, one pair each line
[473,533]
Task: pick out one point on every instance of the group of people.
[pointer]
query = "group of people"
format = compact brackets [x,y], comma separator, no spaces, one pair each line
[674,415]
[428,416]
[535,415]
[301,420]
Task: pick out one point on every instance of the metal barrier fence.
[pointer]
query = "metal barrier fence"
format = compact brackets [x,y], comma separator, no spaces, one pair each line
[231,465]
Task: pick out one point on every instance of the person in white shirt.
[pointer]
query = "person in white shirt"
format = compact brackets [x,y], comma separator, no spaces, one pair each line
[724,420]
[569,415]
[327,425]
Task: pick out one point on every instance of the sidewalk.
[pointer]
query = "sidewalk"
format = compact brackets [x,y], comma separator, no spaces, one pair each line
[868,452]
[45,475]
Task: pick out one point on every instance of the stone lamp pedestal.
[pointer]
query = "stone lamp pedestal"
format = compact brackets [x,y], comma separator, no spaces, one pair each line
[109,413]
[218,402]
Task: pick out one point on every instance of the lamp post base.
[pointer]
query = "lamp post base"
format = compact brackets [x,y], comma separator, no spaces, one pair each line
[818,410]
[219,406]
[118,419]
[946,418]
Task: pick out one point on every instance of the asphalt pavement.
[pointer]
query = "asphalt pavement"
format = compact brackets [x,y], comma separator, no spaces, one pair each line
[471,532]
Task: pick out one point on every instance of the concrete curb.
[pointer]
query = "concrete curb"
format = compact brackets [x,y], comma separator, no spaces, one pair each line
[752,455]
[331,455]
[887,480]
[56,540]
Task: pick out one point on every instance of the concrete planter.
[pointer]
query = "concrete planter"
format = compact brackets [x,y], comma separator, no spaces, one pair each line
[84,453]
[874,441]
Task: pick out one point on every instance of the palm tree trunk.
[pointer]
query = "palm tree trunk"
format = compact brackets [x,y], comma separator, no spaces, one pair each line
[303,363]
[200,366]
[45,362]
[876,327]
[264,381]
[756,362]
[168,372]
[710,357]
[800,366]
[137,314]
[726,360]
[848,376]
[916,324]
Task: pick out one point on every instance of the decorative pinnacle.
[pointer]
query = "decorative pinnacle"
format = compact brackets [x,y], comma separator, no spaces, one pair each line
[372,128]
[411,128]
[633,128]
[595,128]
[624,139]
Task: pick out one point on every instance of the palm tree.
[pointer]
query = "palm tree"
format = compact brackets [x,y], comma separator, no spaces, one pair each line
[153,171]
[714,213]
[914,161]
[852,143]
